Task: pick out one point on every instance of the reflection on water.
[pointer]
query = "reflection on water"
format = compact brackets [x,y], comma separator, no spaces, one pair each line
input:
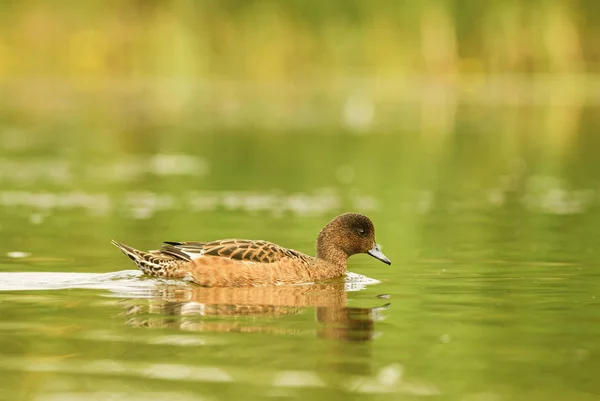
[238,308]
[177,304]
[194,325]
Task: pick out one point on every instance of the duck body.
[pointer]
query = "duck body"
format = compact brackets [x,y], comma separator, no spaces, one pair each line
[240,263]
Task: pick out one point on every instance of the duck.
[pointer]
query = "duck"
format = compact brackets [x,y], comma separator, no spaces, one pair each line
[243,263]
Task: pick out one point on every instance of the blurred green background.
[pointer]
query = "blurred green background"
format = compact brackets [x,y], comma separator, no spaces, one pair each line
[294,63]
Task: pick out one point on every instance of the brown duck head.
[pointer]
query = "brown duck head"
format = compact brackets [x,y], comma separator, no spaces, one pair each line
[346,235]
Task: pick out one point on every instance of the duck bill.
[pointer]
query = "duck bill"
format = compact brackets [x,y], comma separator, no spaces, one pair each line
[377,254]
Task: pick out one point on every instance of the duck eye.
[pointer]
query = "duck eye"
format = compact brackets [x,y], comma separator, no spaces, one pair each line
[361,231]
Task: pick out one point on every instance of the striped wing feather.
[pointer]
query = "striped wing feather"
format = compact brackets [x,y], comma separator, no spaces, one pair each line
[235,249]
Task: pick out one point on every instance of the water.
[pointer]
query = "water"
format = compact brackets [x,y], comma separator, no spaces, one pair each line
[490,216]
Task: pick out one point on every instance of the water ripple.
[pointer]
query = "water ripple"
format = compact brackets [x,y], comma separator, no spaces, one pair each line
[130,283]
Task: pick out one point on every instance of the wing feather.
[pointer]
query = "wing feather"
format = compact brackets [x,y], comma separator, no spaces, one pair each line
[234,249]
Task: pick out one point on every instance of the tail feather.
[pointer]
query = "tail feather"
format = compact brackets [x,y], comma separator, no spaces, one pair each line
[132,253]
[153,264]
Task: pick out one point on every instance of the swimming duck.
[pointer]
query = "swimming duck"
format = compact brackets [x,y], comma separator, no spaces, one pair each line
[239,262]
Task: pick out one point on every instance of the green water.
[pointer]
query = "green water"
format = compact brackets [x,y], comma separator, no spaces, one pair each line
[491,220]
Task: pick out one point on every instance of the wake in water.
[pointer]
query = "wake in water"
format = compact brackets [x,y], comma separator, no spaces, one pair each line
[130,282]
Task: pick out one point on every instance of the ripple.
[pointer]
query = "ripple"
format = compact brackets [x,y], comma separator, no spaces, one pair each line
[171,372]
[126,283]
[115,396]
[145,204]
[128,168]
[126,280]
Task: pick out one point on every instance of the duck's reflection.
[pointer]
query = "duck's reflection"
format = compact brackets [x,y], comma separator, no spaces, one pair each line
[256,309]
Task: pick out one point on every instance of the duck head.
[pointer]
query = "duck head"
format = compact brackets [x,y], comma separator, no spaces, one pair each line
[346,235]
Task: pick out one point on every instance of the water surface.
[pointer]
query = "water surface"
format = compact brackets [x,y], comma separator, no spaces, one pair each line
[491,221]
